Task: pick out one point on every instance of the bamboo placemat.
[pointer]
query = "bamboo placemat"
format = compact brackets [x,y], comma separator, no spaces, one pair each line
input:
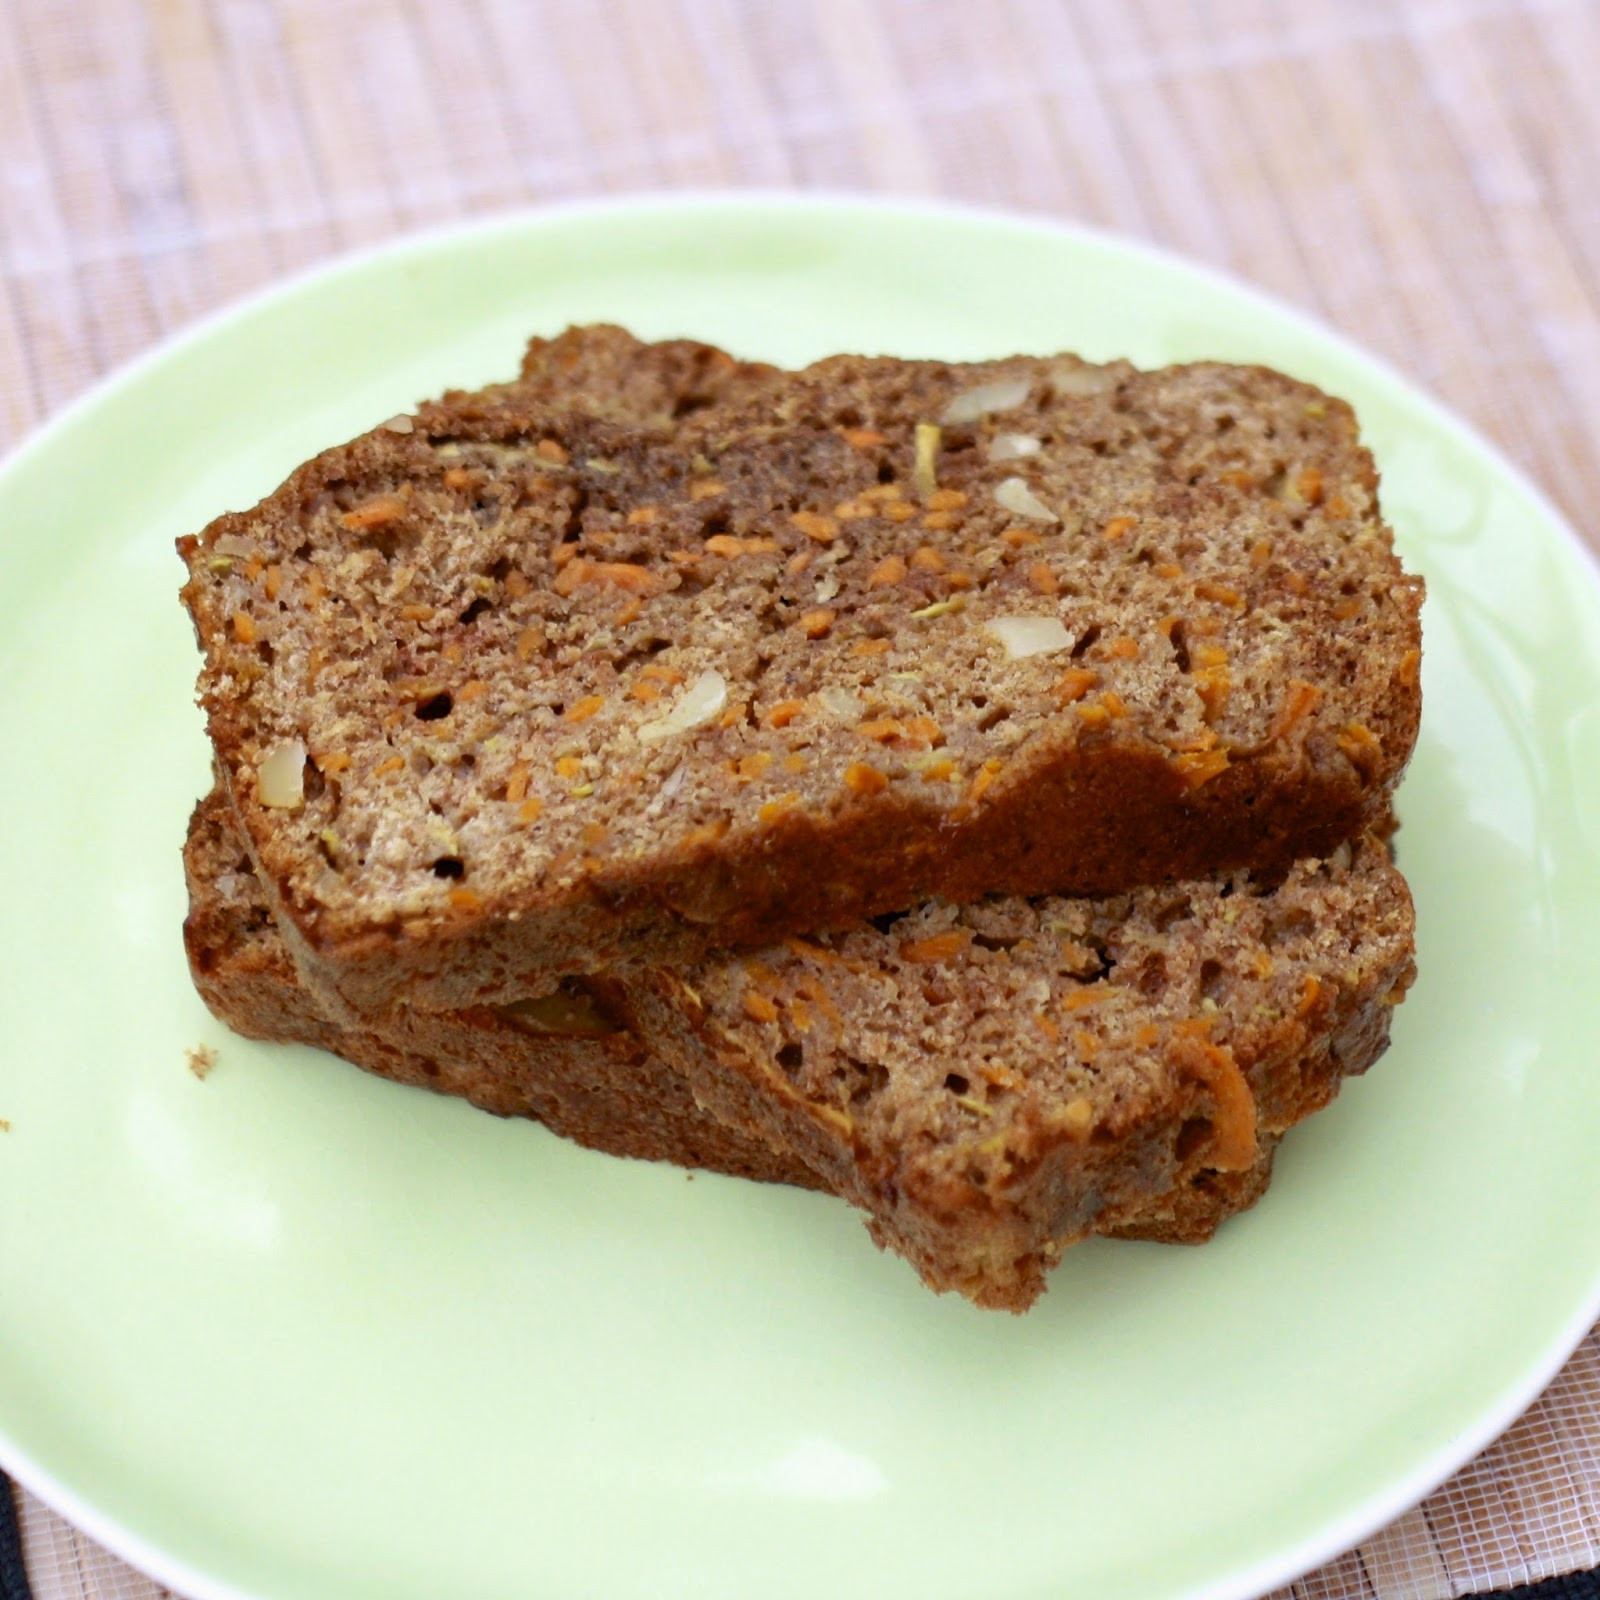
[1422,175]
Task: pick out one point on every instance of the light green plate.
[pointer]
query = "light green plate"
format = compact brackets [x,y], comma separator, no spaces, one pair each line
[293,1332]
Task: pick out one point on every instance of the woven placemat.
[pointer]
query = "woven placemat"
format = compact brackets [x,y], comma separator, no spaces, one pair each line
[1422,175]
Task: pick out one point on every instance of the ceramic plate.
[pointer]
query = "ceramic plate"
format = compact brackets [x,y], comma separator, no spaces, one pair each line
[291,1331]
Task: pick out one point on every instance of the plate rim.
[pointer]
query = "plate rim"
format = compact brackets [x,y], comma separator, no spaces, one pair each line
[1375,1511]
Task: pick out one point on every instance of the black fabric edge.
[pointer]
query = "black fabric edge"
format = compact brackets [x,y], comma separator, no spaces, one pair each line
[13,1574]
[1574,1586]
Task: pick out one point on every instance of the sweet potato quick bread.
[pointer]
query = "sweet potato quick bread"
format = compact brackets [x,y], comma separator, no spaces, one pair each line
[582,742]
[995,1081]
[510,689]
[1112,1078]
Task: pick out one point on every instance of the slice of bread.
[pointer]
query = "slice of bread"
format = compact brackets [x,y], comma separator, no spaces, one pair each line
[505,691]
[564,1061]
[994,1082]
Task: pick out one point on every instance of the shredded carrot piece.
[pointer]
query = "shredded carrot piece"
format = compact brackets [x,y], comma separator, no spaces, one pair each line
[750,767]
[984,781]
[1086,996]
[378,512]
[862,779]
[1200,766]
[758,1007]
[1234,1119]
[618,574]
[815,525]
[1214,685]
[782,714]
[582,710]
[1074,684]
[936,947]
[1298,702]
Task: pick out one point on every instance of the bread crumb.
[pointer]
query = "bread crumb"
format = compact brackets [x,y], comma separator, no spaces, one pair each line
[202,1058]
[5,1127]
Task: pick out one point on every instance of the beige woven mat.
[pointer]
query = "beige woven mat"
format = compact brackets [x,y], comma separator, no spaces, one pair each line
[1425,176]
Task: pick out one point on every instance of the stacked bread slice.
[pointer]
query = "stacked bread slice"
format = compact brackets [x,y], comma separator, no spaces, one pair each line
[962,788]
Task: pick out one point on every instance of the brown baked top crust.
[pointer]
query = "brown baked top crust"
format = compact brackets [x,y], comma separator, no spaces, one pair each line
[991,1083]
[571,693]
